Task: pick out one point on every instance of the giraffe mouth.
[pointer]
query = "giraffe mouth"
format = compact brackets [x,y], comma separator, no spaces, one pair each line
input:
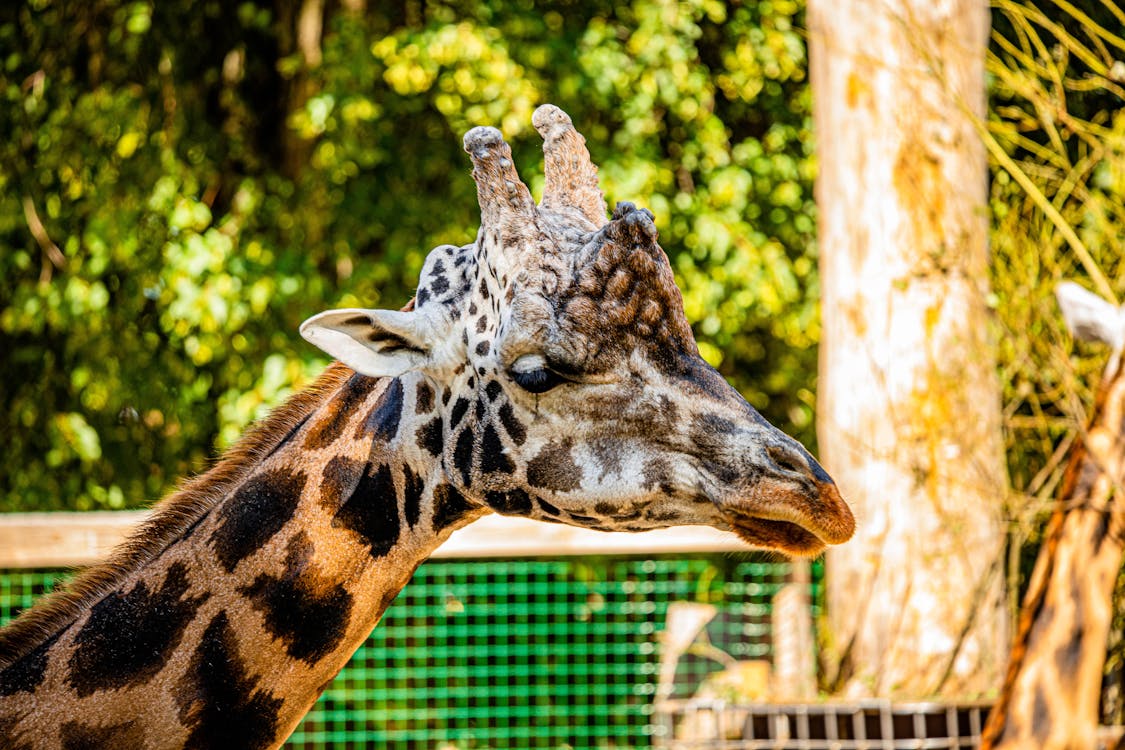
[780,524]
[782,536]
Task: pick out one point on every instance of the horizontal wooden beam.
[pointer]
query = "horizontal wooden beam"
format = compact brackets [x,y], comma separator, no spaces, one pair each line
[63,540]
[508,536]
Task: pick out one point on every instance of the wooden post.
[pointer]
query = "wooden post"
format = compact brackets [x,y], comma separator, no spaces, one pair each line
[1052,690]
[794,660]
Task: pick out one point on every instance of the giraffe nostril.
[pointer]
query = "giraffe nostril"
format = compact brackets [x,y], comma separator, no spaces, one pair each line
[787,460]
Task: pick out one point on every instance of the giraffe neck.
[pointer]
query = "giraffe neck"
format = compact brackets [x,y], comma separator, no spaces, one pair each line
[226,635]
[1052,689]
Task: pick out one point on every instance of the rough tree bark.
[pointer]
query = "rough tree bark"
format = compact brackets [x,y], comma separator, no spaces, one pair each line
[1052,691]
[909,400]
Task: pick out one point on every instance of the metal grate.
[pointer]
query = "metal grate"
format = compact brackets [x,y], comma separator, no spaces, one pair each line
[524,653]
[20,588]
[856,725]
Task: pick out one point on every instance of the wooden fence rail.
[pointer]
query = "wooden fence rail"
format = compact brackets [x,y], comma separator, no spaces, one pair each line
[60,540]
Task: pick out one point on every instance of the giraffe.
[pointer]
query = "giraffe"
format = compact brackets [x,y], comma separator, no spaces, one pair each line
[545,370]
[1051,695]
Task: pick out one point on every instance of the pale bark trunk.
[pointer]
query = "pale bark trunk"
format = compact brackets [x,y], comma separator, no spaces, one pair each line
[909,400]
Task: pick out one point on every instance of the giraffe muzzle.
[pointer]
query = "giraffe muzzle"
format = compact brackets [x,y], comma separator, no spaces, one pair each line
[786,500]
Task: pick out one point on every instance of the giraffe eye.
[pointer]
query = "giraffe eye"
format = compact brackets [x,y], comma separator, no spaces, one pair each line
[537,381]
[531,373]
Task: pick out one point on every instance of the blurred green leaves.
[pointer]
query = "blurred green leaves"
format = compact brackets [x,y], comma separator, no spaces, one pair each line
[182,183]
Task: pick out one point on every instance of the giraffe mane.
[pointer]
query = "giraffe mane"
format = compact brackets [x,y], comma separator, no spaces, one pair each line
[171,518]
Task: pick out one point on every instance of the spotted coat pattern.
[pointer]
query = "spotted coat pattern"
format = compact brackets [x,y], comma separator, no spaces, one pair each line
[545,370]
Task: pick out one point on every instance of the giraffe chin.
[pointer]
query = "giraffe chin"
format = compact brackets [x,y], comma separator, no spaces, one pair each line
[780,536]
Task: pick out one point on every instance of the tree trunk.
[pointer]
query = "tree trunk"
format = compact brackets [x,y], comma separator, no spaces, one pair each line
[909,400]
[1052,692]
[300,26]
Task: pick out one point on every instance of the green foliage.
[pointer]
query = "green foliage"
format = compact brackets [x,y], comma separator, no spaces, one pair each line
[182,183]
[1057,136]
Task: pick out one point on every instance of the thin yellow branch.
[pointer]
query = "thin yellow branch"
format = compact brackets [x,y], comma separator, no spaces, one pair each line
[1091,25]
[1026,60]
[1094,83]
[1079,50]
[1052,213]
[1008,133]
[1112,7]
[46,244]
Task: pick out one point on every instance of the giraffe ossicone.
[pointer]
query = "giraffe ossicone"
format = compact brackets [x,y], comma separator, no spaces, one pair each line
[545,370]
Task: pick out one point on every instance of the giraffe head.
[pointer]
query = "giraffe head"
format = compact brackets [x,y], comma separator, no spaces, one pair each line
[556,376]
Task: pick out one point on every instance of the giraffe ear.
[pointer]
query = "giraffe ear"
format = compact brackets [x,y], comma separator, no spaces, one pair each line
[1089,317]
[379,343]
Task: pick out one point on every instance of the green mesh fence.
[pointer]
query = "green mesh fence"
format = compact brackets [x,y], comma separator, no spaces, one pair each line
[522,653]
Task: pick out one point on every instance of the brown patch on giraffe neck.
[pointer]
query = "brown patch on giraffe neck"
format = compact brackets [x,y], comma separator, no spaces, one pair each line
[8,734]
[371,512]
[339,411]
[25,673]
[258,509]
[128,636]
[171,519]
[219,698]
[304,609]
[76,735]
